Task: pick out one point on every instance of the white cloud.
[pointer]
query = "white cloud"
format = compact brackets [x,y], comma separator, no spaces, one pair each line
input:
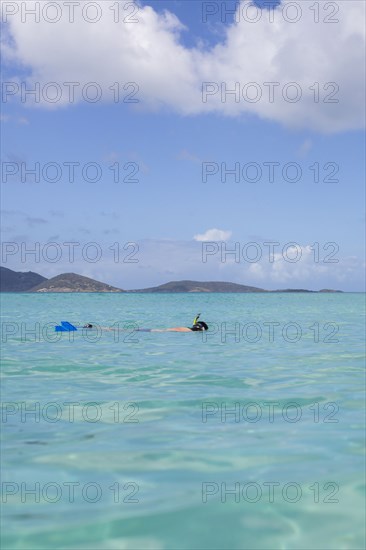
[213,235]
[309,273]
[169,74]
[305,147]
[22,120]
[184,154]
[298,266]
[257,271]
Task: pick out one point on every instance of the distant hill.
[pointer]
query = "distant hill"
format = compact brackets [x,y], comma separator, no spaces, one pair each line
[197,286]
[304,290]
[294,290]
[18,281]
[328,290]
[71,282]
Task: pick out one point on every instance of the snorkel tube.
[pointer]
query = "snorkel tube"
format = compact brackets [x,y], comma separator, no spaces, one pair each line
[198,325]
[195,320]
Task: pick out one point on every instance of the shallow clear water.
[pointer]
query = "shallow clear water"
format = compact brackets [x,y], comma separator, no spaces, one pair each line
[245,440]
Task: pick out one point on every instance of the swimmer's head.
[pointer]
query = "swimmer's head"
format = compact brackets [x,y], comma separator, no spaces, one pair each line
[199,326]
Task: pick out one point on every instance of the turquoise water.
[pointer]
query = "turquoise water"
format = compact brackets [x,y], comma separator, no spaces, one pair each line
[129,445]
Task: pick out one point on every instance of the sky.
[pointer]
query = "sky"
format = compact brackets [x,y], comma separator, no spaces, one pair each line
[170,140]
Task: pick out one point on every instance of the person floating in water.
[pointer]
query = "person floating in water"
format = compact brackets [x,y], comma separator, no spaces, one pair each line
[197,326]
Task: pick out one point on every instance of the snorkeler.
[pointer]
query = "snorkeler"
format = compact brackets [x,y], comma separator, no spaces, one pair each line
[197,326]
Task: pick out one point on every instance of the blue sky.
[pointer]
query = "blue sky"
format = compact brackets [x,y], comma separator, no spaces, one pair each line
[170,135]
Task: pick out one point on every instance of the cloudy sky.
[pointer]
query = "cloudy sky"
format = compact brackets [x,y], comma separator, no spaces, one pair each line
[162,140]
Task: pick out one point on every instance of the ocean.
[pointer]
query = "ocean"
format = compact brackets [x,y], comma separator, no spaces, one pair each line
[250,436]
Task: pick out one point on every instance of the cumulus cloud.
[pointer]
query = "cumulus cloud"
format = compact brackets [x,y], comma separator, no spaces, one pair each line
[184,154]
[213,235]
[23,121]
[305,148]
[323,62]
[293,265]
[32,221]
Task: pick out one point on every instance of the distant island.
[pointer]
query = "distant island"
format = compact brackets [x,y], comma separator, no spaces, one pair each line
[196,286]
[17,281]
[71,282]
